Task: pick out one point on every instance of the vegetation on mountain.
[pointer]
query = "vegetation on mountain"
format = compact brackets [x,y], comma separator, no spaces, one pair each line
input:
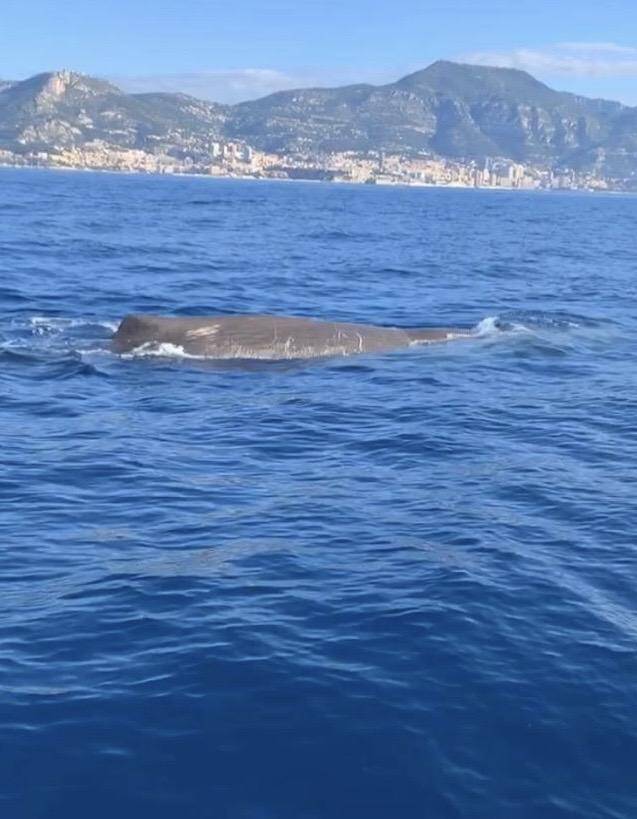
[450,109]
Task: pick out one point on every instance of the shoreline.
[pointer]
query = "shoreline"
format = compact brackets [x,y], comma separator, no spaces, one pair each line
[332,182]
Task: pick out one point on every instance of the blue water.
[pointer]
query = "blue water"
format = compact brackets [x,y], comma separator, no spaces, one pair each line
[395,586]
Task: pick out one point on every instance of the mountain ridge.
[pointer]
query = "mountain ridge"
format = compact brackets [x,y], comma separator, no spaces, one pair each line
[450,109]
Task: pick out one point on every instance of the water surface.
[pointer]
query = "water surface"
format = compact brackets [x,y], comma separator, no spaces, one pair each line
[382,586]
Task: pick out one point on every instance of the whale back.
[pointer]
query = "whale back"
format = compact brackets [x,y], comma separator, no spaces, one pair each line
[267,337]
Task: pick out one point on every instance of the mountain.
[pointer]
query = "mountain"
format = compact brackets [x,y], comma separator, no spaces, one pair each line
[66,109]
[450,109]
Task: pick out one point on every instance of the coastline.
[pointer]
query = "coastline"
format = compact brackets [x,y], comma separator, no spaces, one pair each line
[331,182]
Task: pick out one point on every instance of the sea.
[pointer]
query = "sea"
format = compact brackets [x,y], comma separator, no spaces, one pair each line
[391,586]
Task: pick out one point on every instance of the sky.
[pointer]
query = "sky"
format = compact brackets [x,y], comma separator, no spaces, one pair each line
[242,49]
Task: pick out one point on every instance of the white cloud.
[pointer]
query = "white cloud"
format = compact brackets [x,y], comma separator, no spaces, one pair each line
[575,59]
[221,86]
[235,85]
[597,48]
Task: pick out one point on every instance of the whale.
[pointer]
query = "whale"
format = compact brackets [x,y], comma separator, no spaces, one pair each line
[267,337]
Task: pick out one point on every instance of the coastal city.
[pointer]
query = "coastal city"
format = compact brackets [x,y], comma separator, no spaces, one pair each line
[239,160]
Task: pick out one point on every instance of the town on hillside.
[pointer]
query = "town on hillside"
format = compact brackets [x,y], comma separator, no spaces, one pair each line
[239,160]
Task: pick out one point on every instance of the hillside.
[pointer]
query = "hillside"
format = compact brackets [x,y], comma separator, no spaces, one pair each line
[450,109]
[65,109]
[454,110]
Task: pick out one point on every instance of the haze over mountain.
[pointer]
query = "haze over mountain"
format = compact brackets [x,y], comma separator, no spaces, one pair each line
[450,109]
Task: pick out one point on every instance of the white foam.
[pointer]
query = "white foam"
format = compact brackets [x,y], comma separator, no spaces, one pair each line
[492,326]
[44,324]
[487,327]
[49,321]
[94,351]
[152,349]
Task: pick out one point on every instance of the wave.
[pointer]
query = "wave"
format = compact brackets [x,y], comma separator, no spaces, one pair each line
[496,326]
[55,337]
[58,324]
[539,322]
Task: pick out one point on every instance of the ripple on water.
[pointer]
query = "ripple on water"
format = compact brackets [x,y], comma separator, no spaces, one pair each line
[396,585]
